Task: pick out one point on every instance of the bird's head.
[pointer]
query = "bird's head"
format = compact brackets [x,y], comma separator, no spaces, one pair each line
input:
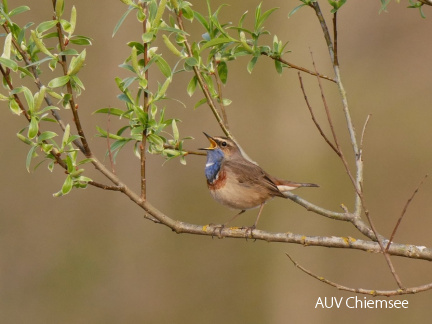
[222,146]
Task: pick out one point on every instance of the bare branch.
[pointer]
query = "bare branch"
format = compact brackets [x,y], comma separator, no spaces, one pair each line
[363,133]
[105,187]
[335,39]
[403,212]
[313,117]
[360,201]
[372,292]
[296,67]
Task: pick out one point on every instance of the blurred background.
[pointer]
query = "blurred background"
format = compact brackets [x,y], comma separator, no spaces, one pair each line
[91,257]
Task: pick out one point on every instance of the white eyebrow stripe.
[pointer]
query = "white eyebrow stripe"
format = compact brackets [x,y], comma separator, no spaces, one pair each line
[209,164]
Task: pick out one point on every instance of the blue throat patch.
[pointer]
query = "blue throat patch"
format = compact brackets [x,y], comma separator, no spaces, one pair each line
[213,164]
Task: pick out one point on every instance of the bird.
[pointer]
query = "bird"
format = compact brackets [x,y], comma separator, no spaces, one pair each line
[234,180]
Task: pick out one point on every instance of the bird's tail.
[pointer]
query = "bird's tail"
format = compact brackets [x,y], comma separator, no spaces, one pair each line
[285,185]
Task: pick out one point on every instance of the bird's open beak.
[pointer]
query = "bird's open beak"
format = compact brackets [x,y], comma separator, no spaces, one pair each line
[213,144]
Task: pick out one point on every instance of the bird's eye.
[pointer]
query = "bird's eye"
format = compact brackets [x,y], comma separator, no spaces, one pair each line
[224,144]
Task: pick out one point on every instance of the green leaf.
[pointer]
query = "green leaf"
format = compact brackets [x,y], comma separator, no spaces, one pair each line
[66,135]
[59,8]
[46,25]
[24,139]
[191,61]
[264,17]
[295,10]
[77,63]
[80,40]
[67,185]
[252,63]
[159,13]
[59,82]
[31,153]
[199,103]
[72,21]
[7,47]
[46,136]
[14,107]
[192,86]
[40,45]
[163,66]
[217,41]
[175,130]
[18,10]
[29,98]
[278,66]
[148,37]
[111,111]
[156,141]
[223,71]
[9,63]
[33,128]
[122,19]
[134,60]
[39,97]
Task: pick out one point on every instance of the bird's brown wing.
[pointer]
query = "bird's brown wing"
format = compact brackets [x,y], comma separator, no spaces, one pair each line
[249,174]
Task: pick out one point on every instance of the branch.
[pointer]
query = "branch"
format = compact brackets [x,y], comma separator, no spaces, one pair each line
[146,107]
[39,84]
[372,292]
[203,86]
[74,107]
[293,66]
[219,86]
[360,201]
[313,117]
[404,211]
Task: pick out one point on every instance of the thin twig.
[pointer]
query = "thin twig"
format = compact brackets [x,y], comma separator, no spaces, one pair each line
[167,146]
[335,39]
[201,81]
[143,144]
[219,87]
[327,110]
[73,105]
[372,292]
[357,183]
[363,132]
[296,67]
[105,187]
[313,116]
[403,212]
[109,145]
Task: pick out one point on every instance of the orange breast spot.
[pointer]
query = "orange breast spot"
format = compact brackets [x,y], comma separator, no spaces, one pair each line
[218,182]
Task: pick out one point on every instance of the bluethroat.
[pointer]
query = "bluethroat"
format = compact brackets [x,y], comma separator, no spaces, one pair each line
[239,183]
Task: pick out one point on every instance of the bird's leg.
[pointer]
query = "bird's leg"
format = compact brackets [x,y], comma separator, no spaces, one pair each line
[234,217]
[221,227]
[255,224]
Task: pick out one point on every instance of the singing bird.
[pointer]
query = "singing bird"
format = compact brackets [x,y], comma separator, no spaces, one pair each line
[237,182]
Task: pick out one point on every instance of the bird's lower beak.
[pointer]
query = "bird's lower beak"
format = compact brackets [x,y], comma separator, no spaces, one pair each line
[213,144]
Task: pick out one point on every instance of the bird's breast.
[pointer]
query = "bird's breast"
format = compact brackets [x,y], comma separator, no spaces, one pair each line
[218,181]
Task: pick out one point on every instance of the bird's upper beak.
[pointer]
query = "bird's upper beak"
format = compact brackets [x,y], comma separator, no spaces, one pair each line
[213,144]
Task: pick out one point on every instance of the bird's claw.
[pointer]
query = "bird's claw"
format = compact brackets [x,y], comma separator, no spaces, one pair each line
[249,229]
[217,227]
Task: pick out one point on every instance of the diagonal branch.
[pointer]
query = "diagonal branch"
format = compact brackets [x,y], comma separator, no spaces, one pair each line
[403,212]
[360,201]
[371,292]
[201,82]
